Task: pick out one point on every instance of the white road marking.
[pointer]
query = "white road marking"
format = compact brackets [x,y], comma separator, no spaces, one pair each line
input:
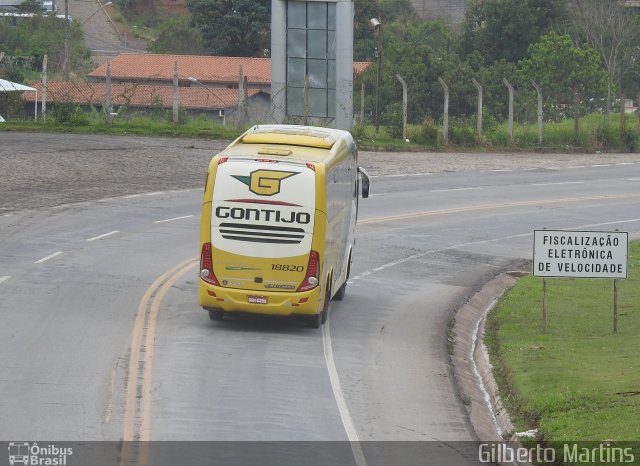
[502,170]
[5,278]
[578,166]
[558,183]
[104,235]
[624,163]
[633,220]
[366,273]
[131,196]
[157,193]
[601,165]
[172,219]
[73,204]
[401,175]
[182,190]
[452,189]
[633,179]
[338,394]
[50,256]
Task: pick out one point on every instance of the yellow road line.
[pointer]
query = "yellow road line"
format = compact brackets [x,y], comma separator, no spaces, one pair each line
[136,424]
[137,418]
[430,213]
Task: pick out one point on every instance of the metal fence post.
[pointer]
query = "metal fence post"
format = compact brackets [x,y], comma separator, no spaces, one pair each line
[479,124]
[510,87]
[445,121]
[540,127]
[43,109]
[107,93]
[404,106]
[362,104]
[176,98]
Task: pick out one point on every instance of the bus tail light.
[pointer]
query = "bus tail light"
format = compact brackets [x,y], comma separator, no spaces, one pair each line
[206,265]
[311,278]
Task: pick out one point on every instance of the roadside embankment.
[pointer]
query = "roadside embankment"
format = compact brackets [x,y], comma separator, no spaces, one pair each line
[575,385]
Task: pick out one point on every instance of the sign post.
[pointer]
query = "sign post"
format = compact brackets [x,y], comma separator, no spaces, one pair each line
[580,254]
[544,305]
[615,305]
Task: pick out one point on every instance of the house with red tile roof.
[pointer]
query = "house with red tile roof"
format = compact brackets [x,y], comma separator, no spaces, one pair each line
[193,70]
[219,104]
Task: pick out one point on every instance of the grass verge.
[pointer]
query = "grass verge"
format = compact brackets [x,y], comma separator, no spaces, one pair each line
[141,126]
[579,381]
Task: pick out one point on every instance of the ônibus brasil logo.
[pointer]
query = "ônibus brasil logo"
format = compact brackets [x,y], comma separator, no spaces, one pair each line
[33,454]
[264,182]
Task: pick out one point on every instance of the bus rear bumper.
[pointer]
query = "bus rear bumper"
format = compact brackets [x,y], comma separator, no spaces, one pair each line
[258,302]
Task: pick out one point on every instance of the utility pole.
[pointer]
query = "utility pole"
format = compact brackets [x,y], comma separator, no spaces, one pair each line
[65,65]
[377,26]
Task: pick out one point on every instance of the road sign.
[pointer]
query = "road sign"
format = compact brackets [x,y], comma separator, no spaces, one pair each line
[580,254]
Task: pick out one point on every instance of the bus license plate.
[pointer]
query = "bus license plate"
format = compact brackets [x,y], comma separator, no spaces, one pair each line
[257,299]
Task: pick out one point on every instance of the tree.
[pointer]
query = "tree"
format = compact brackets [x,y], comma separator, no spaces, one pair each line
[420,51]
[569,72]
[232,27]
[178,37]
[504,29]
[611,29]
[43,34]
[364,42]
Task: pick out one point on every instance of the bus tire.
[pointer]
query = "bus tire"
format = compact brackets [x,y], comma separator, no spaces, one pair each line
[339,296]
[327,305]
[320,318]
[315,321]
[216,314]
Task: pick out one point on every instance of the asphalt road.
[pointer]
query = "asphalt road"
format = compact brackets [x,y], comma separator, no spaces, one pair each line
[103,339]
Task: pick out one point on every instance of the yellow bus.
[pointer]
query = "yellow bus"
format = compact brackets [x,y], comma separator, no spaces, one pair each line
[278,222]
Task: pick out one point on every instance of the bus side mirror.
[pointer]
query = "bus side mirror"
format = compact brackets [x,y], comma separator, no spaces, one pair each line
[364,176]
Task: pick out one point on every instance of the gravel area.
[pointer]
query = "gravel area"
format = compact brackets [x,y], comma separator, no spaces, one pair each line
[45,170]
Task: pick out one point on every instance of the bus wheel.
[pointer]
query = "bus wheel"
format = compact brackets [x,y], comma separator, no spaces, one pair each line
[327,305]
[341,292]
[320,318]
[315,321]
[339,296]
[216,314]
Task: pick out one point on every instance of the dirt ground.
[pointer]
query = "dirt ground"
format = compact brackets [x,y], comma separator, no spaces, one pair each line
[44,170]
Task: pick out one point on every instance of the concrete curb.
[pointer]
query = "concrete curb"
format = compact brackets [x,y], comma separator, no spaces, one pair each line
[471,364]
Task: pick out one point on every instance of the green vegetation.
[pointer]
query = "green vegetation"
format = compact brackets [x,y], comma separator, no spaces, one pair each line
[79,122]
[579,381]
[176,35]
[570,73]
[564,45]
[596,134]
[27,41]
[234,27]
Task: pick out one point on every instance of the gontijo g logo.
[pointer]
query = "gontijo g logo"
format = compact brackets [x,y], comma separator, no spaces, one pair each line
[264,182]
